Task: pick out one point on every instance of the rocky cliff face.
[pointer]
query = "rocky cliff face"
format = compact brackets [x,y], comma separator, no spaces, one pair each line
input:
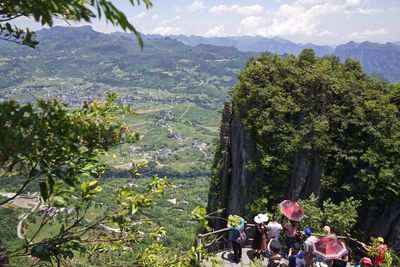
[234,185]
[231,190]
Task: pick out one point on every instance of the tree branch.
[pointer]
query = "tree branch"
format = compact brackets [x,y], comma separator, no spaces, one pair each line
[6,18]
[29,179]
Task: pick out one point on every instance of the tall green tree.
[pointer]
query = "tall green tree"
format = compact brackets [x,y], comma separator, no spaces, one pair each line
[326,119]
[46,11]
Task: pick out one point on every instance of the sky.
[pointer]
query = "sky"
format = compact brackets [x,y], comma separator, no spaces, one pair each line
[330,22]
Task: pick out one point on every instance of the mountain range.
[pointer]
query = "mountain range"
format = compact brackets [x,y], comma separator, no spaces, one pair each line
[167,61]
[274,45]
[381,60]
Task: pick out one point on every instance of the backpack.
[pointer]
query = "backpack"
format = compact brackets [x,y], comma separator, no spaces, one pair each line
[241,238]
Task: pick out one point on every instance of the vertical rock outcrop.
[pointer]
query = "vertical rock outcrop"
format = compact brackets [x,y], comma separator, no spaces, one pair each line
[232,180]
[305,176]
[233,185]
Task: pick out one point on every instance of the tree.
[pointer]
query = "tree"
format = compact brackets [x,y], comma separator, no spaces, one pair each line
[58,152]
[320,126]
[45,11]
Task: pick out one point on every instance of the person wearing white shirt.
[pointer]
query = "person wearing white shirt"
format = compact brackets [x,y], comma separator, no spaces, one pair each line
[308,247]
[274,228]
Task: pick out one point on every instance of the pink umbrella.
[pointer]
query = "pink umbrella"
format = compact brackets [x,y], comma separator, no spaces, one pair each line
[292,210]
[329,248]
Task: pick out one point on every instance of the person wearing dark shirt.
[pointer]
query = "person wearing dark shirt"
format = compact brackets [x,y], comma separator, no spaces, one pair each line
[292,254]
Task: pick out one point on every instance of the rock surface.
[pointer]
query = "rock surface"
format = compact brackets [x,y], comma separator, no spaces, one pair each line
[235,185]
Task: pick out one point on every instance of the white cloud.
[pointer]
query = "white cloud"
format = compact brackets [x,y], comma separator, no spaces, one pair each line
[363,11]
[196,6]
[177,9]
[310,2]
[325,33]
[394,9]
[300,18]
[155,17]
[177,18]
[242,10]
[353,2]
[141,15]
[216,31]
[367,34]
[166,21]
[167,30]
[137,18]
[291,20]
[251,26]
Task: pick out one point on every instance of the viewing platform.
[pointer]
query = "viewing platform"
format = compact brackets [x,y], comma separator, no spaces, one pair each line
[227,258]
[221,247]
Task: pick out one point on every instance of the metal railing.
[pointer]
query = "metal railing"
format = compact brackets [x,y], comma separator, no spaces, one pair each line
[221,240]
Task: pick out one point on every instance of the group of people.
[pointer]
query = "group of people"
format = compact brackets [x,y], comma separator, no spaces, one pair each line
[299,245]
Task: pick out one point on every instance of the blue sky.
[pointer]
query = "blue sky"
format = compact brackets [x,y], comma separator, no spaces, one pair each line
[317,21]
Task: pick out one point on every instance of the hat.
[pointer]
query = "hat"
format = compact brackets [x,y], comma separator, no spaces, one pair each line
[366,260]
[260,218]
[326,229]
[380,239]
[307,231]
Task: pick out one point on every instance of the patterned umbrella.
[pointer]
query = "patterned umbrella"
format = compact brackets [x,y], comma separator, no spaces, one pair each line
[329,248]
[292,210]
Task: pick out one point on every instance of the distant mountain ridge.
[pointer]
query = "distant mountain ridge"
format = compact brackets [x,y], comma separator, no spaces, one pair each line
[274,45]
[381,60]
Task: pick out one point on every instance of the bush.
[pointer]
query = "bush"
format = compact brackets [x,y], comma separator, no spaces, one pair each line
[342,217]
[391,259]
[313,217]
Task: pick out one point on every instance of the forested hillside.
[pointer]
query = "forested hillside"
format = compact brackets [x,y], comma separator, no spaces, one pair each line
[303,125]
[83,56]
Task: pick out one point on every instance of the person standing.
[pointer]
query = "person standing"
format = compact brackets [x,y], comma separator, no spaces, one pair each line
[235,234]
[327,232]
[260,236]
[291,233]
[379,251]
[378,260]
[293,254]
[274,228]
[309,247]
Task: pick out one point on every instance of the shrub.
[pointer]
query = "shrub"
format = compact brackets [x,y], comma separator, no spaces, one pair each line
[342,217]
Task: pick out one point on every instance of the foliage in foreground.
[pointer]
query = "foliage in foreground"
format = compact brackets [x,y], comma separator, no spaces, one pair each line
[59,152]
[47,11]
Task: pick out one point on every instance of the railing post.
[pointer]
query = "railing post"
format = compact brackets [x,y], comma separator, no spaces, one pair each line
[199,236]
